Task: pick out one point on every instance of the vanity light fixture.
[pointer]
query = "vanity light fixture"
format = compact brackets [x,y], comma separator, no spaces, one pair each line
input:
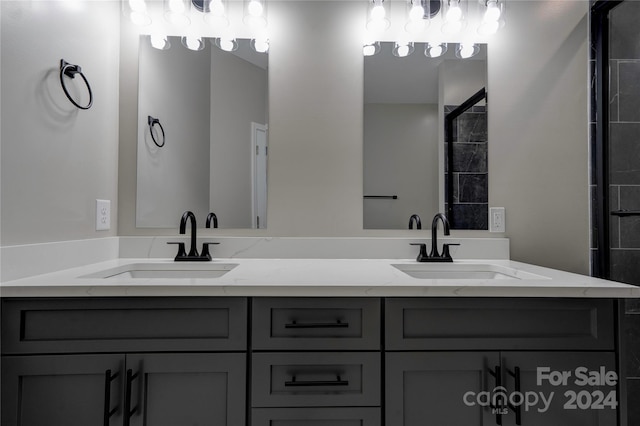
[454,16]
[402,49]
[193,42]
[260,44]
[137,12]
[416,16]
[467,50]
[176,12]
[434,50]
[227,43]
[255,14]
[492,16]
[216,14]
[371,48]
[377,16]
[160,41]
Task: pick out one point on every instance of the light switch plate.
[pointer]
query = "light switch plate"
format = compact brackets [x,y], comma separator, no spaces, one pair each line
[103,215]
[497,219]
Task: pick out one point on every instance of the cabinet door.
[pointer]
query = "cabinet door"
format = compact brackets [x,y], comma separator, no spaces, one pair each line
[185,389]
[308,416]
[562,378]
[429,388]
[70,390]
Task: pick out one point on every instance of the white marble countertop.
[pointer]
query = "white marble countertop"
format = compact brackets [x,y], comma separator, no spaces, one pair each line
[313,277]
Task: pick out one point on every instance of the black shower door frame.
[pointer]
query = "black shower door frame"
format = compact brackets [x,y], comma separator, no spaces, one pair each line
[600,159]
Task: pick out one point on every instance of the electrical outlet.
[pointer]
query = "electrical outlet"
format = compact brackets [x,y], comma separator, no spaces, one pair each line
[496,219]
[103,215]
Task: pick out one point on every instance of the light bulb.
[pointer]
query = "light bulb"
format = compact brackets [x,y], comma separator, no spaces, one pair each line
[493,11]
[416,12]
[227,45]
[378,13]
[193,42]
[255,8]
[454,14]
[467,50]
[160,42]
[434,50]
[137,5]
[216,7]
[260,45]
[402,49]
[452,27]
[176,6]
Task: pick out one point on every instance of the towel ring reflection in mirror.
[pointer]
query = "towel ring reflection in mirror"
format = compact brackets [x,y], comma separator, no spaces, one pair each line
[70,71]
[152,122]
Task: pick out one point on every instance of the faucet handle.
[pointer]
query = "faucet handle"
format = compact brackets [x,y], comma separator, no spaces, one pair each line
[422,256]
[205,250]
[445,250]
[182,252]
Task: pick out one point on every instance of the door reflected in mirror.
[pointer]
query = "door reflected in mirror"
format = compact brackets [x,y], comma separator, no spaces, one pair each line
[404,156]
[212,108]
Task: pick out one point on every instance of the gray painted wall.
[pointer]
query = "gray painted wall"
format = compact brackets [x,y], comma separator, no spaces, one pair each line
[538,129]
[245,83]
[400,158]
[175,89]
[57,160]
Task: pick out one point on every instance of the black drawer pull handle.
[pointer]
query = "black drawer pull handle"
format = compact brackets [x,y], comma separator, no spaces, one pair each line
[497,374]
[108,412]
[518,409]
[128,412]
[338,382]
[337,324]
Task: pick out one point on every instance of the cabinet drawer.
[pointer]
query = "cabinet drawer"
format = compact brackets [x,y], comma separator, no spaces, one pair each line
[316,324]
[123,325]
[479,324]
[316,379]
[349,416]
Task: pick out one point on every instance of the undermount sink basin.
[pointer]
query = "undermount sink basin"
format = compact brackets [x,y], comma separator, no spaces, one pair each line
[466,271]
[175,270]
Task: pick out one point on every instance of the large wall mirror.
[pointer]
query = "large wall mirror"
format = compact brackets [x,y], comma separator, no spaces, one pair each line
[406,100]
[202,135]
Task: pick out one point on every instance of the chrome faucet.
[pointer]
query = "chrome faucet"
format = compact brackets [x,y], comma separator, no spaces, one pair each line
[193,251]
[415,219]
[435,256]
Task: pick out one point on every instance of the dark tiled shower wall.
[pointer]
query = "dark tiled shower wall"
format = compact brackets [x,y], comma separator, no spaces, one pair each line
[624,178]
[470,172]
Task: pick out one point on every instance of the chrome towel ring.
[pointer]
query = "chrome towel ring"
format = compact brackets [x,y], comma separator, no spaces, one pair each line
[70,71]
[152,122]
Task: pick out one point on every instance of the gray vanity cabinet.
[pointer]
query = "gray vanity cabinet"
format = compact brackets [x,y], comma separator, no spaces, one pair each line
[454,361]
[316,362]
[61,390]
[131,362]
[427,388]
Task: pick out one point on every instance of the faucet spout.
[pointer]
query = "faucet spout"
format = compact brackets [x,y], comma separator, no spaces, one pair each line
[211,217]
[415,219]
[434,232]
[189,216]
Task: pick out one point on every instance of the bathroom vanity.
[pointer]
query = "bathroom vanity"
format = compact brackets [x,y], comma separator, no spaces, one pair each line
[351,341]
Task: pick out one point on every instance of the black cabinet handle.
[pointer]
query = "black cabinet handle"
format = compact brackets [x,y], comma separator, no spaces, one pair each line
[337,382]
[337,324]
[517,409]
[108,412]
[497,374]
[128,412]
